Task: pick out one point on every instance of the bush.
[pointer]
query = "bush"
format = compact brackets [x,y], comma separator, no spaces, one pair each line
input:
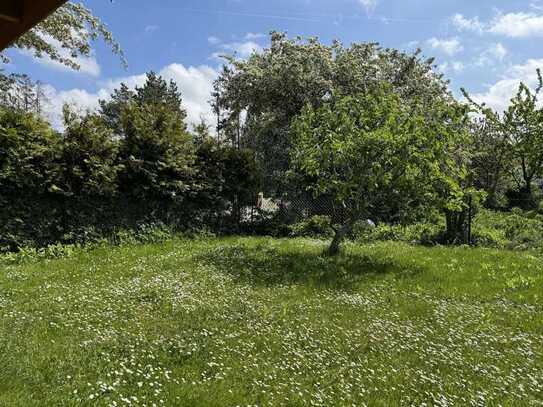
[424,233]
[421,233]
[383,232]
[88,184]
[315,226]
[515,230]
[488,237]
[149,233]
[360,228]
[269,227]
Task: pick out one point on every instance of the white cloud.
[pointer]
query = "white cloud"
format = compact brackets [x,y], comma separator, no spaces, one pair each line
[458,66]
[498,95]
[467,24]
[412,44]
[513,25]
[449,46]
[195,84]
[240,49]
[494,53]
[254,36]
[527,71]
[498,51]
[87,65]
[369,5]
[517,25]
[214,40]
[536,5]
[78,99]
[455,67]
[243,49]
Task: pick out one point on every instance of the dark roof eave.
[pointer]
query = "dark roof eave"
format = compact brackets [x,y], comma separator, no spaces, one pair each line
[19,16]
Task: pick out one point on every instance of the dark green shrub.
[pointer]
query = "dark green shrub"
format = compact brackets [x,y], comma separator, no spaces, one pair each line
[267,224]
[423,233]
[226,181]
[487,237]
[132,164]
[315,226]
[517,229]
[384,232]
[360,228]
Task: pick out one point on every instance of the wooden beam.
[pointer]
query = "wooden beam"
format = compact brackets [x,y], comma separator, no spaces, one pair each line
[11,10]
[19,16]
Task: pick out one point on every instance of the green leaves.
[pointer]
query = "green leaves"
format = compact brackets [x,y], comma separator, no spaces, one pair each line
[372,150]
[28,149]
[274,86]
[66,35]
[518,137]
[133,162]
[89,154]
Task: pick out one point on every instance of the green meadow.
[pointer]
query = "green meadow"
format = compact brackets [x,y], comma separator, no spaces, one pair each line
[272,322]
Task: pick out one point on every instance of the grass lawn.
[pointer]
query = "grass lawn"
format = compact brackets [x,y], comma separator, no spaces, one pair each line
[246,321]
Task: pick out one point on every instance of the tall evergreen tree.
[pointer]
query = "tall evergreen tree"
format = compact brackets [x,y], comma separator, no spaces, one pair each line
[155,149]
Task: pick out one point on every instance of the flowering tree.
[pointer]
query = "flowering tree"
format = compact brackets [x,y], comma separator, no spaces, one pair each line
[270,88]
[66,35]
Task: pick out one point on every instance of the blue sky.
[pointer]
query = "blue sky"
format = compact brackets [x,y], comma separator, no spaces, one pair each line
[485,46]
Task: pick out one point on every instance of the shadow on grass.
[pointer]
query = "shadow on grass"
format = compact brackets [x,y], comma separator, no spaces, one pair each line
[268,266]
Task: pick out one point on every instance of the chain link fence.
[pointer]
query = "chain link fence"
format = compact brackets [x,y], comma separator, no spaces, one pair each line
[292,208]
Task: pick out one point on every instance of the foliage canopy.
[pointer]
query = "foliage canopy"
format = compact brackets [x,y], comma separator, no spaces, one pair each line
[66,35]
[371,149]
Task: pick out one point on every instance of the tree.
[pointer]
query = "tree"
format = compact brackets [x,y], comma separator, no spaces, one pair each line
[271,88]
[524,121]
[522,125]
[29,178]
[18,91]
[157,155]
[201,132]
[371,148]
[96,177]
[89,158]
[155,147]
[226,180]
[490,161]
[66,35]
[111,110]
[155,91]
[29,147]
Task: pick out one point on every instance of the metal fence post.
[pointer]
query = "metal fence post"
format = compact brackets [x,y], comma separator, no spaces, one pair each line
[470,216]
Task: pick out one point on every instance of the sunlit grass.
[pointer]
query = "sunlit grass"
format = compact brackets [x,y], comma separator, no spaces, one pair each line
[249,321]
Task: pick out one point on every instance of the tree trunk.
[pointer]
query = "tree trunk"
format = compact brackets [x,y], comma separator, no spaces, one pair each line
[339,237]
[457,227]
[528,188]
[528,196]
